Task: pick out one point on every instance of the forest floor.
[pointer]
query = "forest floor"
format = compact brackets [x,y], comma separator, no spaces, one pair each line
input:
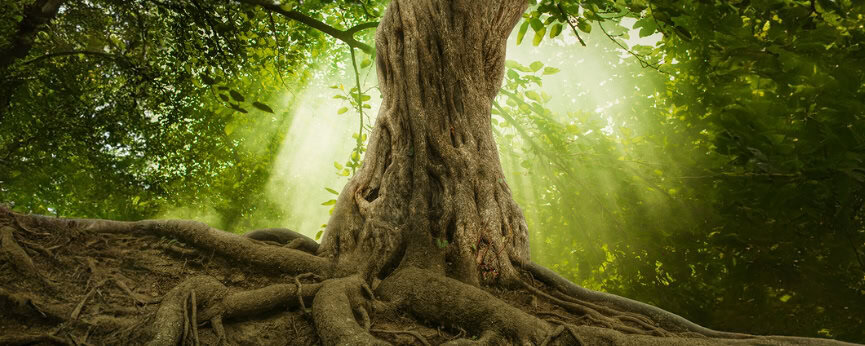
[62,284]
[101,288]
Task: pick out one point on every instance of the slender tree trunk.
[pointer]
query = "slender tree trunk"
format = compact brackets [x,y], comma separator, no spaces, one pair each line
[431,192]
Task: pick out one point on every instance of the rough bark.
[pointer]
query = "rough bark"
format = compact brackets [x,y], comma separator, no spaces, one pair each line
[431,192]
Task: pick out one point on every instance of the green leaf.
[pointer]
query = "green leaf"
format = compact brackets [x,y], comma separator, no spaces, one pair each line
[330,202]
[522,32]
[536,66]
[342,110]
[238,108]
[550,70]
[337,165]
[207,80]
[533,95]
[584,26]
[365,63]
[539,36]
[556,30]
[229,128]
[647,26]
[262,107]
[236,96]
[331,191]
[536,24]
[318,235]
[223,97]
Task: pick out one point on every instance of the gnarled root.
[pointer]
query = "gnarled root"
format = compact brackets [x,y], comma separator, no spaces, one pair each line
[615,320]
[205,238]
[437,298]
[175,317]
[21,304]
[336,309]
[664,319]
[19,258]
[253,302]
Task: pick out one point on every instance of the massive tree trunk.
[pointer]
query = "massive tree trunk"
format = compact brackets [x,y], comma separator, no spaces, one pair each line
[431,192]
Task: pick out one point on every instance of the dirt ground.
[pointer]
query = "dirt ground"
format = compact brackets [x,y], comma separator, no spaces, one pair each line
[98,288]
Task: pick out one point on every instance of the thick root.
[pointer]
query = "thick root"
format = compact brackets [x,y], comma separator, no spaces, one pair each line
[434,297]
[250,303]
[40,339]
[333,310]
[665,319]
[615,321]
[207,239]
[286,237]
[174,318]
[19,258]
[21,304]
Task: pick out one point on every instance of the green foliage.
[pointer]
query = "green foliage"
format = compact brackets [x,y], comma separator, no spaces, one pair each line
[127,110]
[729,186]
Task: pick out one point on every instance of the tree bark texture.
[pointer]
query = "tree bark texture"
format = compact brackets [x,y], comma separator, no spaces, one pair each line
[431,192]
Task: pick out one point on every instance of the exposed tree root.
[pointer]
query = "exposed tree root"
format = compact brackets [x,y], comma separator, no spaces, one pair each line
[284,236]
[436,298]
[18,257]
[420,338]
[108,279]
[615,321]
[23,304]
[77,310]
[206,238]
[38,339]
[334,312]
[665,319]
[172,318]
[253,302]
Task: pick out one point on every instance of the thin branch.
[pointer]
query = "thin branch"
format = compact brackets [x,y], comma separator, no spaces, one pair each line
[361,27]
[346,36]
[574,28]
[640,58]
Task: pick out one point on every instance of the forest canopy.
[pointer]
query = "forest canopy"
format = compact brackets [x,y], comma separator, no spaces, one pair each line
[704,157]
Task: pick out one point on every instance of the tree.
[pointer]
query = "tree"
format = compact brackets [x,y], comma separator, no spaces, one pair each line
[427,227]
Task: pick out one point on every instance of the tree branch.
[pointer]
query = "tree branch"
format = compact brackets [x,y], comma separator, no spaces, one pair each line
[574,28]
[35,16]
[346,36]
